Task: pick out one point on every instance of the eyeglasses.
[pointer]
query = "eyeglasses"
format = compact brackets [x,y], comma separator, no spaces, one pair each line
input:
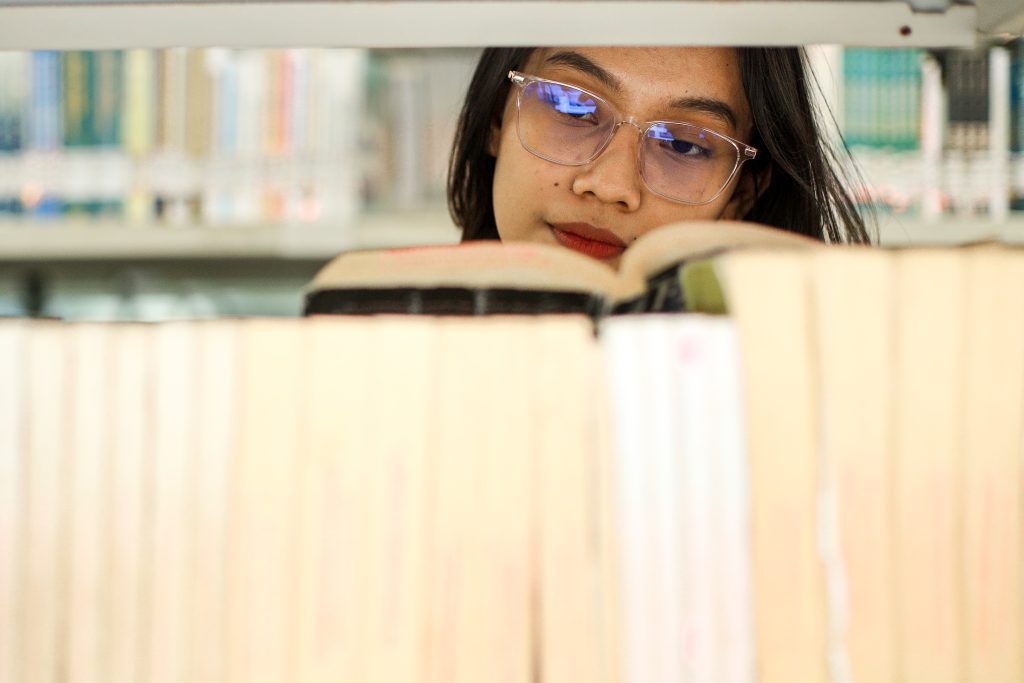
[571,126]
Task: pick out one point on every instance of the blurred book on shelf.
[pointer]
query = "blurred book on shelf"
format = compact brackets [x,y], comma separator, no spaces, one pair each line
[1017,125]
[936,133]
[225,136]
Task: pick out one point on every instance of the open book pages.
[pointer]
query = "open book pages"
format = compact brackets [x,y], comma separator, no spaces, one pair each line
[494,278]
[823,486]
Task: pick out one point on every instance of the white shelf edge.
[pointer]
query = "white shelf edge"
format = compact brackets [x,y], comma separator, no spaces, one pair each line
[899,231]
[469,23]
[109,241]
[1001,17]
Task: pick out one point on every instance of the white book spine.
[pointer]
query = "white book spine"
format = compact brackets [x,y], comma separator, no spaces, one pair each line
[167,646]
[13,464]
[667,568]
[690,355]
[216,436]
[88,498]
[999,133]
[731,512]
[631,494]
[131,419]
[46,494]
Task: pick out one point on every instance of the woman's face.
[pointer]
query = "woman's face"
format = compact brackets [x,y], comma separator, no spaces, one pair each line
[606,201]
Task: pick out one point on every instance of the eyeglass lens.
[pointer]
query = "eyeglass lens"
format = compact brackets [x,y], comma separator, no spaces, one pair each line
[571,126]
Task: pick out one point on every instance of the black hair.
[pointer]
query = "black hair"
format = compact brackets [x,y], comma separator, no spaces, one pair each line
[807,193]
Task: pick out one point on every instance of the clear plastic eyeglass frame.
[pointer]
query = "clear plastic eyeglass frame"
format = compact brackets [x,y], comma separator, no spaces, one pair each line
[744,152]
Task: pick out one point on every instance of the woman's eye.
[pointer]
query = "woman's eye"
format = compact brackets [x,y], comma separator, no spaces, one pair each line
[680,145]
[688,149]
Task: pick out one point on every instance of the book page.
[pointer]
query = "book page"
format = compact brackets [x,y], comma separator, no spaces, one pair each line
[673,244]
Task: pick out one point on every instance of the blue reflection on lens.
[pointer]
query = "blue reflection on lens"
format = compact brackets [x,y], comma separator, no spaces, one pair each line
[680,146]
[567,100]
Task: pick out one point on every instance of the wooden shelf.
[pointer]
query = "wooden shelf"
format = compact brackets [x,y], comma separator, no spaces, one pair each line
[33,24]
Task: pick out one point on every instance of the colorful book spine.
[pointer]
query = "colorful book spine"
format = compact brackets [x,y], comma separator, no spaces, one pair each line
[1017,125]
[13,109]
[78,105]
[107,98]
[43,199]
[13,95]
[228,136]
[882,98]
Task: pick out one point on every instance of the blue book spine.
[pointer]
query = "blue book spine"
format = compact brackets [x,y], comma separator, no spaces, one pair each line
[44,119]
[13,105]
[1017,97]
[44,126]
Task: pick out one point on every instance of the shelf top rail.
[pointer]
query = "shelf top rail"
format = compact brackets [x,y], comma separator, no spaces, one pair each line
[83,24]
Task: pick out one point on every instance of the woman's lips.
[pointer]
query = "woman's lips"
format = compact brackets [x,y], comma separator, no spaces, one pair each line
[587,239]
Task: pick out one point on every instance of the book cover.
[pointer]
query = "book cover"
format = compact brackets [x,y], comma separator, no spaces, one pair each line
[487,278]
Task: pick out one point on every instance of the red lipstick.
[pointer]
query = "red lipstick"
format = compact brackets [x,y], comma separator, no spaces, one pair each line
[586,239]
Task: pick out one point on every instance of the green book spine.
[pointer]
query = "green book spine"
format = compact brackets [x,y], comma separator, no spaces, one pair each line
[77,103]
[108,91]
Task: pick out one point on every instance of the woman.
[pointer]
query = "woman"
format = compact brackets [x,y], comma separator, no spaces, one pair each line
[592,147]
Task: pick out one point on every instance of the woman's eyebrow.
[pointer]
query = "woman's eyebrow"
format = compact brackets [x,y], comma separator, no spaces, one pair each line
[707,105]
[586,65]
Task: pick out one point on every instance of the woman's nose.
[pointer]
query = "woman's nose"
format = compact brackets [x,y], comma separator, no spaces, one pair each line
[613,177]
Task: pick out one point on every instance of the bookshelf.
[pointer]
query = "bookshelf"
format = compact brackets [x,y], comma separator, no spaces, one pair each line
[77,25]
[113,241]
[35,24]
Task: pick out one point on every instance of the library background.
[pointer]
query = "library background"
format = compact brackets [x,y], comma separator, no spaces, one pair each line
[152,184]
[745,457]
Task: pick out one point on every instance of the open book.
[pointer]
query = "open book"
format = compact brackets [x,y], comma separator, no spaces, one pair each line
[665,270]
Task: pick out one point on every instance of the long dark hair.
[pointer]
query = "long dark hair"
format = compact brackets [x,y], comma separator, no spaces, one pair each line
[807,193]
